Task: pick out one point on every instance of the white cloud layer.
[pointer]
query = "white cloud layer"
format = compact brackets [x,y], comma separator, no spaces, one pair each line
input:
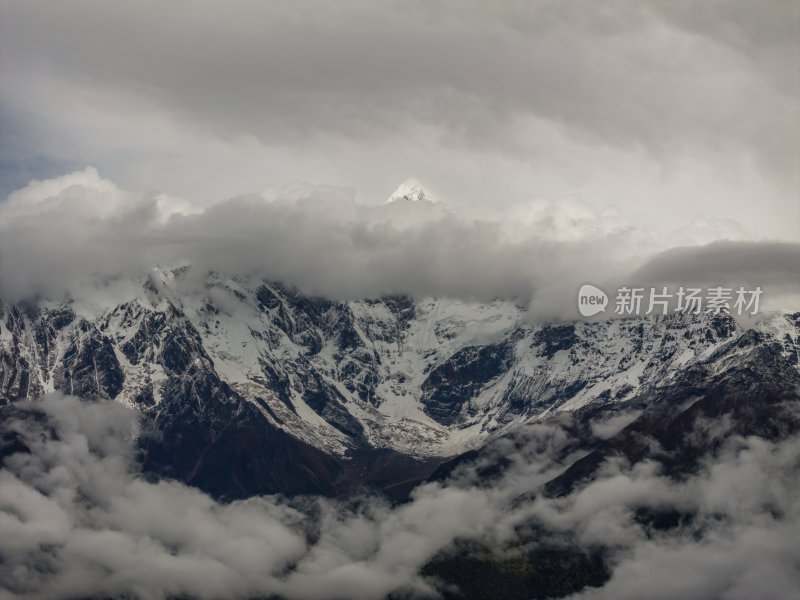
[78,520]
[79,235]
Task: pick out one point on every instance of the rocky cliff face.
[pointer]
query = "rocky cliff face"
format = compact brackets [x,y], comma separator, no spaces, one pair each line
[240,379]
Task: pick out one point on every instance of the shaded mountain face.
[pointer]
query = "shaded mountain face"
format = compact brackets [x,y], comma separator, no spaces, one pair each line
[250,387]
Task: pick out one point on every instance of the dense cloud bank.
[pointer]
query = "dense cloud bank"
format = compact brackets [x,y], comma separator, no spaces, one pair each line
[724,261]
[81,235]
[78,520]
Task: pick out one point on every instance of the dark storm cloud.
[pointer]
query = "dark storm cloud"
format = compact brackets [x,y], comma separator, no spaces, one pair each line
[753,263]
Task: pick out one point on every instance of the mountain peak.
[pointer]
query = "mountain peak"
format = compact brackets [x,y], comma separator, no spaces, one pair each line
[411,190]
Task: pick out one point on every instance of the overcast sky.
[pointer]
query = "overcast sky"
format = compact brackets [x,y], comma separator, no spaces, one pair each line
[669,111]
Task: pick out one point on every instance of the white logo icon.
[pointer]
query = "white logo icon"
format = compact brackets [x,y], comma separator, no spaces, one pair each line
[591,300]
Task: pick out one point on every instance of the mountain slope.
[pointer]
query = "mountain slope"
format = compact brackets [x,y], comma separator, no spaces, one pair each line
[239,379]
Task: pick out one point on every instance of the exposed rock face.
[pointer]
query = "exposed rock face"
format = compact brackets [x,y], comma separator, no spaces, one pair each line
[461,377]
[39,353]
[241,380]
[681,423]
[89,367]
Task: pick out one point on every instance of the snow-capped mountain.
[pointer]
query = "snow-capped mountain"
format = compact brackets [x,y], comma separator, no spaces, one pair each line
[411,190]
[234,370]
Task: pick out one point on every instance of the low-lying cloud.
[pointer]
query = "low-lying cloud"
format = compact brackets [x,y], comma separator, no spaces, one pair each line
[79,520]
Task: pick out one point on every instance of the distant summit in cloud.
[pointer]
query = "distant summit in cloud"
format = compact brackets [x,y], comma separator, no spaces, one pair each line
[680,115]
[411,190]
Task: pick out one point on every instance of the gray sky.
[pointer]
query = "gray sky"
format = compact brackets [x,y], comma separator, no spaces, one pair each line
[672,112]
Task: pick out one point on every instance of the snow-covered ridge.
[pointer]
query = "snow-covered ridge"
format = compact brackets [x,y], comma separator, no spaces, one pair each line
[428,377]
